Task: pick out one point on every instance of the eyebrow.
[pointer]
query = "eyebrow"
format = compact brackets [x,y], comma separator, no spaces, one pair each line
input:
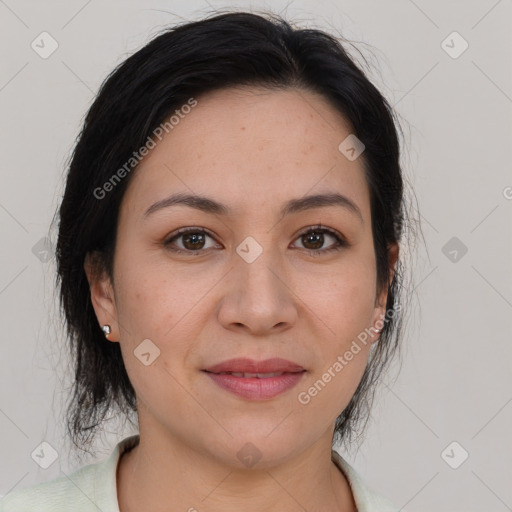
[208,205]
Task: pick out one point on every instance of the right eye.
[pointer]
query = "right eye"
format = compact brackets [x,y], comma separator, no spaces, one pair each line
[192,239]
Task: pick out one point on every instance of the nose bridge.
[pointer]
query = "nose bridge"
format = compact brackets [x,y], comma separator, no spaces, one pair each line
[258,295]
[259,265]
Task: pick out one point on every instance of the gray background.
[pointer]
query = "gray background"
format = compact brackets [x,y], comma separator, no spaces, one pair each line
[455,382]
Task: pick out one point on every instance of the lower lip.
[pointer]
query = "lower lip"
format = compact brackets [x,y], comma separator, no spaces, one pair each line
[253,388]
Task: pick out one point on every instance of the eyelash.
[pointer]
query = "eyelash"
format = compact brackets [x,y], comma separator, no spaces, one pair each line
[338,245]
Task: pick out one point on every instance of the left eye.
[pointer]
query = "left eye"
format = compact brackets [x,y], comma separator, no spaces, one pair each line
[193,240]
[316,237]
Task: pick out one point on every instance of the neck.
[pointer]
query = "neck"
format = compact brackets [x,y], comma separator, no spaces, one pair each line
[181,478]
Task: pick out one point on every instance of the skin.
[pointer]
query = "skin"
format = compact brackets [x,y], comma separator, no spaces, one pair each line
[251,149]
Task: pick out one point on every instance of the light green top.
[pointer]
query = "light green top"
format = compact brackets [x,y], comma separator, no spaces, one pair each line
[93,489]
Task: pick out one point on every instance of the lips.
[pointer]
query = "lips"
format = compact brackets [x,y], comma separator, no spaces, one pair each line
[247,375]
[256,380]
[244,365]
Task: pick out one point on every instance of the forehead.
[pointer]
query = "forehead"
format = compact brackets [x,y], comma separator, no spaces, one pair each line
[250,147]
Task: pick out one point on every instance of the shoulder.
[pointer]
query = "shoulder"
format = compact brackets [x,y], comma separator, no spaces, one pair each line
[90,488]
[54,495]
[366,498]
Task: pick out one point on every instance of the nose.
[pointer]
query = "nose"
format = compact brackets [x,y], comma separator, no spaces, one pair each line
[258,297]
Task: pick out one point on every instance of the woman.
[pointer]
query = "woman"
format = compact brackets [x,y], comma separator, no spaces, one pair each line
[228,263]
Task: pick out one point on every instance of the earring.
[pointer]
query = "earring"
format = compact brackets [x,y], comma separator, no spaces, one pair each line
[106,330]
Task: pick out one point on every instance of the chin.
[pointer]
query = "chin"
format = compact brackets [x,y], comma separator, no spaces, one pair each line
[262,444]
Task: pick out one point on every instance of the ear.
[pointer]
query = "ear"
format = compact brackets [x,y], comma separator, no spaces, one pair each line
[102,294]
[381,299]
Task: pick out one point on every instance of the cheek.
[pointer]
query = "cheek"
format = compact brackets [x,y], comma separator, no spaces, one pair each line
[343,295]
[328,392]
[160,305]
[150,300]
[341,348]
[152,306]
[344,305]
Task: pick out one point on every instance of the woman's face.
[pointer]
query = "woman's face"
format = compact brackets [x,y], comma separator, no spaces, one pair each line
[248,281]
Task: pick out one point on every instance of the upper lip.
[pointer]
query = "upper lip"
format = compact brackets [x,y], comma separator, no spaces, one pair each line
[245,365]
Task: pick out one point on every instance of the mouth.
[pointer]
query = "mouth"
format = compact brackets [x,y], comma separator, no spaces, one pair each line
[246,375]
[256,380]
